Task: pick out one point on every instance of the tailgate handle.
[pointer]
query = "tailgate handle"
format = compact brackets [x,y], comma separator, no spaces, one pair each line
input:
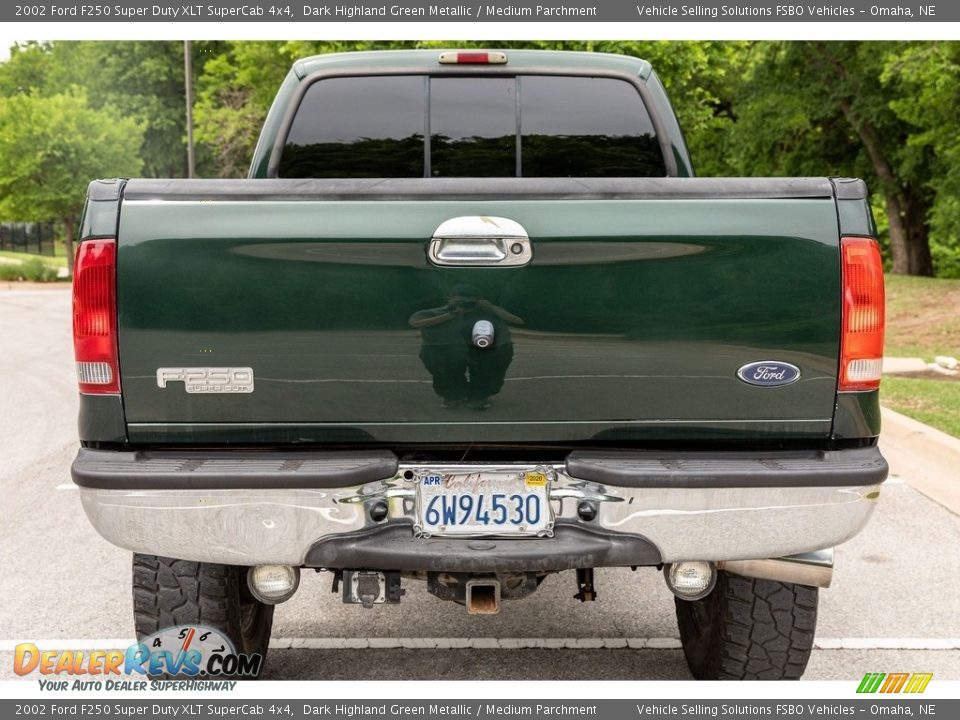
[480,241]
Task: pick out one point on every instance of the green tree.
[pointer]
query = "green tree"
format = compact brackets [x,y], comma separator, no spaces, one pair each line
[52,146]
[26,69]
[822,108]
[141,79]
[924,79]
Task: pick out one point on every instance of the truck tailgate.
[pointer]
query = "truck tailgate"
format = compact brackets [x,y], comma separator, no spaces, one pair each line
[643,300]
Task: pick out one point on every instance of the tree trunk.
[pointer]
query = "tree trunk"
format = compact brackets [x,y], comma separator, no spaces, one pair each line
[899,242]
[909,243]
[906,212]
[919,261]
[68,224]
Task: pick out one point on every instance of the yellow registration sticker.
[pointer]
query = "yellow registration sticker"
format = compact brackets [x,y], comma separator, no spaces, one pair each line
[535,479]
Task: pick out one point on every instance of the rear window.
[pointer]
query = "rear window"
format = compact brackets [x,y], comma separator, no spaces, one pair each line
[416,126]
[358,127]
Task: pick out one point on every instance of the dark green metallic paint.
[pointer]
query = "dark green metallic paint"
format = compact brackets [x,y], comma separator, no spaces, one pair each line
[399,434]
[101,419]
[855,218]
[636,313]
[636,316]
[857,416]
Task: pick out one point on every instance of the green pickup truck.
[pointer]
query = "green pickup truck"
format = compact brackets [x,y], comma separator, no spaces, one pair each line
[471,321]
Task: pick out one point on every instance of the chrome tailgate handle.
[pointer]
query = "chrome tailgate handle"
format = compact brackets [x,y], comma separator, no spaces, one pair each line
[480,241]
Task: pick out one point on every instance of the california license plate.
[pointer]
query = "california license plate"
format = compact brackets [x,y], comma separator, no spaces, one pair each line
[490,502]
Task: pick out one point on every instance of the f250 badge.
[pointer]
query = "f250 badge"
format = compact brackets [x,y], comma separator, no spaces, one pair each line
[208,379]
[769,373]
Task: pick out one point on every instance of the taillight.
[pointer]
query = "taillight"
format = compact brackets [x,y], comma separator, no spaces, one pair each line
[861,344]
[473,58]
[95,317]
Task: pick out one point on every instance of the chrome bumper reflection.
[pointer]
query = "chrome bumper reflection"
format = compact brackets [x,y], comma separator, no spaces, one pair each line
[263,526]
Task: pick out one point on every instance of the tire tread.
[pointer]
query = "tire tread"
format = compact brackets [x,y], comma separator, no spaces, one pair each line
[168,592]
[757,630]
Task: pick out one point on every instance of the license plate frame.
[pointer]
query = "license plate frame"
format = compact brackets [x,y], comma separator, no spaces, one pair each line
[493,509]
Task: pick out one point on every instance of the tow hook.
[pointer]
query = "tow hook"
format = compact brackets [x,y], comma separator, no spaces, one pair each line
[586,592]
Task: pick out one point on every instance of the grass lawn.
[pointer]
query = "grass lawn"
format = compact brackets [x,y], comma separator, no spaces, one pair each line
[56,261]
[934,402]
[923,317]
[923,320]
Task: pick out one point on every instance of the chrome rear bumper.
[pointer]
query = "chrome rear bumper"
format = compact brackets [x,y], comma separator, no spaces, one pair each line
[284,525]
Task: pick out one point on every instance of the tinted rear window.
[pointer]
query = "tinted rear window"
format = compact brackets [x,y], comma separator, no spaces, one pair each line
[473,127]
[412,126]
[586,127]
[358,127]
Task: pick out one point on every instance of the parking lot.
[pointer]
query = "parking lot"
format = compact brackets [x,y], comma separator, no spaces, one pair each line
[893,605]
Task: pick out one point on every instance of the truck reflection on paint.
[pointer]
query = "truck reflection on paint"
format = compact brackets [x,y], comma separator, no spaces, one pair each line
[468,366]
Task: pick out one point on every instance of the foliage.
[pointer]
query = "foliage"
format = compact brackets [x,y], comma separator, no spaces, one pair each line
[823,108]
[57,260]
[53,145]
[884,111]
[33,270]
[924,79]
[139,80]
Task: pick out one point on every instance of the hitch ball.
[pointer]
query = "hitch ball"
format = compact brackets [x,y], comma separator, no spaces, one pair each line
[273,584]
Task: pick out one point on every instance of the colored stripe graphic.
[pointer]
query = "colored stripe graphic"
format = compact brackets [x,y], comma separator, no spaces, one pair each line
[870,682]
[894,683]
[918,682]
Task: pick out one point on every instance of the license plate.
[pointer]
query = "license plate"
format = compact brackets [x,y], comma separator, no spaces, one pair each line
[491,502]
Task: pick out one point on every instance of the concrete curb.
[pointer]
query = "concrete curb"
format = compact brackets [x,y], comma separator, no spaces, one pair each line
[926,458]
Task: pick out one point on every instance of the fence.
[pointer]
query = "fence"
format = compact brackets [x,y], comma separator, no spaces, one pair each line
[35,238]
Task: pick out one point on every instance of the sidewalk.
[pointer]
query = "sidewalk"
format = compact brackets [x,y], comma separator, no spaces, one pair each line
[927,459]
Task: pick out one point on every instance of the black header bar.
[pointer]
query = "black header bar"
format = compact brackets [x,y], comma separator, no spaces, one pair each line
[359,11]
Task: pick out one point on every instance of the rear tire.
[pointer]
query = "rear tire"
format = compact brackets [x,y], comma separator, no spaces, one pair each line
[168,592]
[748,629]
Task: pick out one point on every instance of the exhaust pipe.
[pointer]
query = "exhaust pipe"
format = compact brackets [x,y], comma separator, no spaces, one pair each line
[812,568]
[483,596]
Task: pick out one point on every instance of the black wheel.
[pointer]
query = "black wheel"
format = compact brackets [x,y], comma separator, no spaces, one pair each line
[168,592]
[749,629]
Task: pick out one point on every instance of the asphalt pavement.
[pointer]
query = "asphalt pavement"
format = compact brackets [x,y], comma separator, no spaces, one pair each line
[893,605]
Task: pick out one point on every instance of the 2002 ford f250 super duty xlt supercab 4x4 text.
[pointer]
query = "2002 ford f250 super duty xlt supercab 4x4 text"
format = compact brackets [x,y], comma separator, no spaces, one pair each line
[471,321]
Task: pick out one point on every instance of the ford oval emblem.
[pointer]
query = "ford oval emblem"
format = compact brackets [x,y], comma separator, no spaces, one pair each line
[769,373]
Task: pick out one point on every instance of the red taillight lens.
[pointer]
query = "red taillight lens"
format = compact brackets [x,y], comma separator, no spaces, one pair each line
[861,344]
[95,317]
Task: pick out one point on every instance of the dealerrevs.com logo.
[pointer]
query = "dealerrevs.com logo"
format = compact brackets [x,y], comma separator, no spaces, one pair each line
[183,651]
[894,682]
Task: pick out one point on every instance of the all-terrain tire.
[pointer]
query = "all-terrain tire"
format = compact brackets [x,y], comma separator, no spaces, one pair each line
[749,629]
[168,592]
